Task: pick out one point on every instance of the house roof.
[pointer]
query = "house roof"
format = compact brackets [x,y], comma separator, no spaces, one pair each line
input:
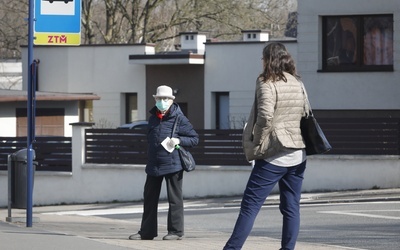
[22,96]
[168,58]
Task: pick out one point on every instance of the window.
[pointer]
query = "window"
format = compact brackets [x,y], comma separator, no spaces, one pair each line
[222,110]
[131,107]
[86,111]
[358,43]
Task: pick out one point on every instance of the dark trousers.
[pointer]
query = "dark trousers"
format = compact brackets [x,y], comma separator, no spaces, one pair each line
[262,180]
[152,189]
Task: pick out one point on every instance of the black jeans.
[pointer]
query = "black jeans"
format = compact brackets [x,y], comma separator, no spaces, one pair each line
[152,189]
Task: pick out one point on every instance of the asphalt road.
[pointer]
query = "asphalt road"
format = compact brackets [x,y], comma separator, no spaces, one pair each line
[365,225]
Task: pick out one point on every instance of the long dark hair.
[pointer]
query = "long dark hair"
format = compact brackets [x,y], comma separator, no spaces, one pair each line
[277,60]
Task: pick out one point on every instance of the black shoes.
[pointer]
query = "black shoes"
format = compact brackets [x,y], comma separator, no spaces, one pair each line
[172,237]
[139,237]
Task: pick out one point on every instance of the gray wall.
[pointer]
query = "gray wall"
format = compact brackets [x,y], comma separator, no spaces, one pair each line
[8,120]
[234,68]
[100,69]
[352,90]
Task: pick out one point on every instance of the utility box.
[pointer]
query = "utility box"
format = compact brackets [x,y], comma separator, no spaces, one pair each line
[17,169]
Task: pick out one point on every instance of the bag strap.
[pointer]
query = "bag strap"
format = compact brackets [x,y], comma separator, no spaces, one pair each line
[306,101]
[174,128]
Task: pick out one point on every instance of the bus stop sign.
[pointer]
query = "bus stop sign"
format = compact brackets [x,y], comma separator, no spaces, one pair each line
[57,22]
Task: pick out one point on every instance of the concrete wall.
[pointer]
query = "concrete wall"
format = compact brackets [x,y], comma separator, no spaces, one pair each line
[234,67]
[8,120]
[100,69]
[106,183]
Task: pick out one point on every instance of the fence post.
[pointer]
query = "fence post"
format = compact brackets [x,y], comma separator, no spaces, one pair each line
[78,144]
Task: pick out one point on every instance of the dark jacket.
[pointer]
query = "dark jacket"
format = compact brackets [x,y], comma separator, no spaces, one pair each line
[160,162]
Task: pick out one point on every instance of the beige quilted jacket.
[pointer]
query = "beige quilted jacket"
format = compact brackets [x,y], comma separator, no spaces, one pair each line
[274,121]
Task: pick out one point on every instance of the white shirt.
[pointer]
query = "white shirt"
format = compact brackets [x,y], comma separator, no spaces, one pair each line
[288,158]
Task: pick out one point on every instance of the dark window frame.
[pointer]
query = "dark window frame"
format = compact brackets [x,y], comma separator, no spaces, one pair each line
[218,96]
[128,106]
[359,66]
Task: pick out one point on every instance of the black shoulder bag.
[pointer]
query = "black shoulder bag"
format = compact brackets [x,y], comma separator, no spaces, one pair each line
[314,137]
[187,160]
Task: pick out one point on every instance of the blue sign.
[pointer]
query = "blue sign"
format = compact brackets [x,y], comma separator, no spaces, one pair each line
[58,22]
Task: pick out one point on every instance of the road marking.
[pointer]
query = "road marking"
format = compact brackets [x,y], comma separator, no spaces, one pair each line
[111,211]
[364,213]
[196,207]
[97,212]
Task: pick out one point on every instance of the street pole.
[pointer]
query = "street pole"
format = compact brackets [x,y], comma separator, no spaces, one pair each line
[31,117]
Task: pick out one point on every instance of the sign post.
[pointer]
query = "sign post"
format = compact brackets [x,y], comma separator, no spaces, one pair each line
[58,22]
[50,22]
[31,119]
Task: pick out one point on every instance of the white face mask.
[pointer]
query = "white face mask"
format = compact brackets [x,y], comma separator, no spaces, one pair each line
[163,104]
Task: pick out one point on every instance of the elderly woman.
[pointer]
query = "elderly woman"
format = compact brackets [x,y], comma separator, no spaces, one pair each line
[164,163]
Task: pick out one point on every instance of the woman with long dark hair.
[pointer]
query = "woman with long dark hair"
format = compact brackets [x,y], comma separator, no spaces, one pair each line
[272,138]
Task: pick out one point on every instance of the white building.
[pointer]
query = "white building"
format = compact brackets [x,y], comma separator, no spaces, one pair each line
[220,84]
[345,77]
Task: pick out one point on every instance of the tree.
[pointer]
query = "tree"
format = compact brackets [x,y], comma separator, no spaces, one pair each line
[153,21]
[161,21]
[88,35]
[13,28]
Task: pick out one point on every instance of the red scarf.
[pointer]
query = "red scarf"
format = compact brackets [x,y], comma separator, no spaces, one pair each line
[159,114]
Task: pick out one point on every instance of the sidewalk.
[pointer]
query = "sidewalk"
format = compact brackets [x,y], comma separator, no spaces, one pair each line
[57,229]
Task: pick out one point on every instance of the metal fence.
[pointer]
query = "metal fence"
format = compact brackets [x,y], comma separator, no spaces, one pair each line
[362,136]
[216,147]
[53,153]
[350,136]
